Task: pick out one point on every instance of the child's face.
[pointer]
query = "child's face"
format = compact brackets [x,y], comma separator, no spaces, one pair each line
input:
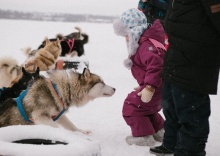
[126,38]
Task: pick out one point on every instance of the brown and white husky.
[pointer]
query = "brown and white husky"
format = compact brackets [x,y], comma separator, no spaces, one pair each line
[47,99]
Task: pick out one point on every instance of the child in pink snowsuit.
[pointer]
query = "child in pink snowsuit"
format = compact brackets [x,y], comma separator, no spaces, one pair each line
[146,52]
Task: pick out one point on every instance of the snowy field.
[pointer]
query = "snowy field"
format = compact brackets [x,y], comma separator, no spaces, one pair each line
[105,53]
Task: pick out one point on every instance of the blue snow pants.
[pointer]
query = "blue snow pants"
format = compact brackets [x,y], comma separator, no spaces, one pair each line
[186,120]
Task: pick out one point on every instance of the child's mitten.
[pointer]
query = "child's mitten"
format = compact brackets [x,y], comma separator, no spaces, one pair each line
[147,93]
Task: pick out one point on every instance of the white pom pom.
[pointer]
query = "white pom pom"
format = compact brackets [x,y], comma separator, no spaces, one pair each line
[128,63]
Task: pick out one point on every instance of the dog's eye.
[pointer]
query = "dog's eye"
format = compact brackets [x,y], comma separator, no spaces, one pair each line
[5,65]
[102,82]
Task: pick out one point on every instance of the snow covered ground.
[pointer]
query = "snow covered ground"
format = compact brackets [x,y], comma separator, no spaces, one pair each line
[105,53]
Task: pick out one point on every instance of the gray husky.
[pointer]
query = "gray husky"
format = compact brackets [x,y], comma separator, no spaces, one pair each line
[47,99]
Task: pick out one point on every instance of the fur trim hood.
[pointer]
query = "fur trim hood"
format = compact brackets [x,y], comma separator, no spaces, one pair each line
[132,23]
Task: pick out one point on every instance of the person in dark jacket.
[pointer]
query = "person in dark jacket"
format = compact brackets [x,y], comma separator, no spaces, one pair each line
[190,74]
[154,9]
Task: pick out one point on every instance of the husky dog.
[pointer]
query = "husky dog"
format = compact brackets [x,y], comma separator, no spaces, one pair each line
[47,100]
[18,85]
[9,70]
[71,46]
[45,58]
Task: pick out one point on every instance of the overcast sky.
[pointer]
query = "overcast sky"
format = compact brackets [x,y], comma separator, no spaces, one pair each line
[96,7]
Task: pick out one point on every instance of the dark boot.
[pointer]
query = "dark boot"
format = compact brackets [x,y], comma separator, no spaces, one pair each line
[161,151]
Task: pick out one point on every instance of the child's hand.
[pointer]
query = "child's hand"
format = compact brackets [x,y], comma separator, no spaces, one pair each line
[147,93]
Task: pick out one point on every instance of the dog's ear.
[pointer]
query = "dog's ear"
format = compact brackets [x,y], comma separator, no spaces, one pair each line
[60,36]
[24,71]
[58,41]
[37,72]
[47,40]
[86,73]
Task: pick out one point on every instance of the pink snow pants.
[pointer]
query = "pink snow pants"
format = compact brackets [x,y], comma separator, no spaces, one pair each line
[143,118]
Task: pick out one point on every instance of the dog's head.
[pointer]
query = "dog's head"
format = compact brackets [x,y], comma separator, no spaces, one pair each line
[97,87]
[9,69]
[54,47]
[25,77]
[100,89]
[49,42]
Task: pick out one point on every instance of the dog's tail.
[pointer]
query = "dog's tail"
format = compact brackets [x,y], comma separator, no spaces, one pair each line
[85,38]
[26,51]
[79,29]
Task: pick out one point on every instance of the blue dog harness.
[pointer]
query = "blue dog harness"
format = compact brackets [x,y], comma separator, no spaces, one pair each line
[21,108]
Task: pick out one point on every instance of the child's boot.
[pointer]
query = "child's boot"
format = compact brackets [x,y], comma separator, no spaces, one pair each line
[159,135]
[141,141]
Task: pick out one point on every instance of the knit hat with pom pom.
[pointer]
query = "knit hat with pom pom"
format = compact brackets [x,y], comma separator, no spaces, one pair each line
[133,23]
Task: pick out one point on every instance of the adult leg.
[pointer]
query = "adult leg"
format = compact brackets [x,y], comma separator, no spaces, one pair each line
[193,111]
[171,125]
